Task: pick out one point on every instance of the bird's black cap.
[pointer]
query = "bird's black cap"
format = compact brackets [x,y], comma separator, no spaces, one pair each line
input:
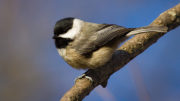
[63,25]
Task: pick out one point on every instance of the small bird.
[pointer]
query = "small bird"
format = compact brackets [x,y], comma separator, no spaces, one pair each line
[86,45]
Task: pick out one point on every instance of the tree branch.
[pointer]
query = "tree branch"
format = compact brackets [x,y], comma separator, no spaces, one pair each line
[129,50]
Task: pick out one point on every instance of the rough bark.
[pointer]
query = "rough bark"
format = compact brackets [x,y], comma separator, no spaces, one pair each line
[128,51]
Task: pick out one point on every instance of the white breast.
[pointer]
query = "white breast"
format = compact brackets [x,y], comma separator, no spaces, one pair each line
[62,52]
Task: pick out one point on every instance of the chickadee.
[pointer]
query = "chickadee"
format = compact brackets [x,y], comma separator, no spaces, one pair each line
[85,45]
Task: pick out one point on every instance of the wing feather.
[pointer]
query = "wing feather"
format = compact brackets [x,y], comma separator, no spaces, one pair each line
[99,38]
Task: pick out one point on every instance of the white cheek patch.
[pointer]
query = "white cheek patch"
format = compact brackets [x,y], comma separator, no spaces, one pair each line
[74,31]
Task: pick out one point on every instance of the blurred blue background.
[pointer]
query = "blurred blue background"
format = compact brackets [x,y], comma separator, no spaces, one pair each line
[32,70]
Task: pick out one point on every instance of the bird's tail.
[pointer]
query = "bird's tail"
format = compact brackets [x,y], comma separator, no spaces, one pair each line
[162,29]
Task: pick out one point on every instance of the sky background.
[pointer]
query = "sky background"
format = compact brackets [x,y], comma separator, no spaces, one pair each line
[32,70]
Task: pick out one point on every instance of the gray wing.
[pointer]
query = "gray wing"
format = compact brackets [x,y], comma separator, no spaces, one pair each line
[90,42]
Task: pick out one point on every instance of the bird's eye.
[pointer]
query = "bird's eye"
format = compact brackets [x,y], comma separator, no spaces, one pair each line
[58,31]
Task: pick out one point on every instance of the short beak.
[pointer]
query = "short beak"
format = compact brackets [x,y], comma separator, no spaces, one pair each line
[55,37]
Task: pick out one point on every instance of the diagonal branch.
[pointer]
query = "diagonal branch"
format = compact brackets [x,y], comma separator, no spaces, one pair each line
[128,51]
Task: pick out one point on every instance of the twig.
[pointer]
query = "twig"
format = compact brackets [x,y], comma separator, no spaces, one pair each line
[128,51]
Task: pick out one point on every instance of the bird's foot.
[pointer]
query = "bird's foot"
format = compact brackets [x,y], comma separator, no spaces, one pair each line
[84,76]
